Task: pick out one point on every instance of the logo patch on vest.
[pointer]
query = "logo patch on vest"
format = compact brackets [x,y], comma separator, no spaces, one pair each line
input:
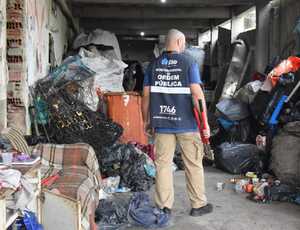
[165,61]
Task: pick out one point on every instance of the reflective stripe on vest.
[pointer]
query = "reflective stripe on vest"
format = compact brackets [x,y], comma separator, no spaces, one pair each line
[166,90]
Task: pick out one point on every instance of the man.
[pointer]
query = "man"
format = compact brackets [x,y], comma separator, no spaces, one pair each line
[171,82]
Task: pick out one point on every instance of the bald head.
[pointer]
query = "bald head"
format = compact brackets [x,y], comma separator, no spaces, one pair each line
[175,41]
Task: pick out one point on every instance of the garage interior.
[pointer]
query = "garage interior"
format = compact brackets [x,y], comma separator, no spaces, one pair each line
[72,71]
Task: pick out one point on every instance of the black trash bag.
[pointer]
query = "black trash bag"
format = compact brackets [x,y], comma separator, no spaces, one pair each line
[245,131]
[291,113]
[129,81]
[112,157]
[282,193]
[142,213]
[112,214]
[259,104]
[233,109]
[133,174]
[237,158]
[264,103]
[125,160]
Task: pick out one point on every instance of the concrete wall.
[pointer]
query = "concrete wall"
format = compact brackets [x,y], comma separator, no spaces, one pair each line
[45,19]
[3,64]
[276,21]
[287,16]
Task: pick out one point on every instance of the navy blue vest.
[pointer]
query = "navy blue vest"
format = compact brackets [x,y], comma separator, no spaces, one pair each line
[170,95]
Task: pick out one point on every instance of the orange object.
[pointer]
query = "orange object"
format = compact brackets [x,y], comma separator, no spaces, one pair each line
[249,188]
[292,64]
[126,109]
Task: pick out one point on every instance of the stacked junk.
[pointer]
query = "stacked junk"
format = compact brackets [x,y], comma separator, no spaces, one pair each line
[256,129]
[69,106]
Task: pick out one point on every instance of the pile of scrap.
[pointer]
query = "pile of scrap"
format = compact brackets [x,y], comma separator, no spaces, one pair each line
[258,132]
[68,108]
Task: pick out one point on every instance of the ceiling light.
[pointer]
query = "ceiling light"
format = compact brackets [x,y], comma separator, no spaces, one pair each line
[163,1]
[142,34]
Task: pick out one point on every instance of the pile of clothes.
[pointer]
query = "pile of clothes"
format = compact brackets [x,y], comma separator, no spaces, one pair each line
[119,212]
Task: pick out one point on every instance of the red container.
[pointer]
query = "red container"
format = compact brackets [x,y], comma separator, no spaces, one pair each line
[126,109]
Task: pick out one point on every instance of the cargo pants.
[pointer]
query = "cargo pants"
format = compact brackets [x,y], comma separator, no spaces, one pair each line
[192,156]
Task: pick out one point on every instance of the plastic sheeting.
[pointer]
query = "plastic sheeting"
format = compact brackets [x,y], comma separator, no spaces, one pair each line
[237,158]
[109,71]
[247,93]
[235,69]
[127,162]
[98,37]
[233,110]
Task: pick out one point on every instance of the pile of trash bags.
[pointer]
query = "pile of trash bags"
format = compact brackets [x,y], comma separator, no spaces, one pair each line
[256,122]
[129,163]
[237,158]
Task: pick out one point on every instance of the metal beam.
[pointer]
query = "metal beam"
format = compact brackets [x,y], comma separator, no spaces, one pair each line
[102,11]
[109,24]
[171,2]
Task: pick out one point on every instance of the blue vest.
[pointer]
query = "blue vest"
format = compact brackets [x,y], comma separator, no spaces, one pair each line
[170,95]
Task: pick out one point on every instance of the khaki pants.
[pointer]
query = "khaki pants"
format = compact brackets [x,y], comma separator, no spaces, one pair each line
[192,148]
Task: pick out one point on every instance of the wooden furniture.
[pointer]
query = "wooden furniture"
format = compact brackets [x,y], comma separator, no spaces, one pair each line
[69,202]
[33,175]
[126,109]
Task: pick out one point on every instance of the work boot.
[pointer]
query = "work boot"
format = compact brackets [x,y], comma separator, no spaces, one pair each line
[201,211]
[167,211]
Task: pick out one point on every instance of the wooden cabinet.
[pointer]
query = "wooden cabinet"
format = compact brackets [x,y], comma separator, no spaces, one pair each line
[126,109]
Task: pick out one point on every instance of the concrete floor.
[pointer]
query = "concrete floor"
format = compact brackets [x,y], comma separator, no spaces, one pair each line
[232,211]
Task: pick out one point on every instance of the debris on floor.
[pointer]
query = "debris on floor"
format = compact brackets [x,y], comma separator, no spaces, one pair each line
[263,189]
